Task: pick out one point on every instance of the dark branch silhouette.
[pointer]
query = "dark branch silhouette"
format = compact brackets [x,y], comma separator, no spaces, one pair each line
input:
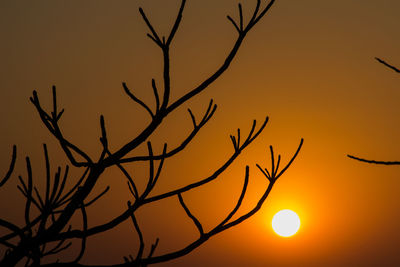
[387,65]
[11,168]
[375,161]
[379,162]
[48,228]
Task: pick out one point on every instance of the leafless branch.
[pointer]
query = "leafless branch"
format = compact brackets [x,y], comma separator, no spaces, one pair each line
[154,35]
[85,226]
[190,215]
[137,100]
[378,162]
[375,161]
[126,214]
[29,196]
[11,168]
[214,175]
[51,122]
[176,24]
[196,128]
[240,200]
[57,207]
[153,248]
[387,65]
[140,235]
[222,226]
[274,174]
[155,91]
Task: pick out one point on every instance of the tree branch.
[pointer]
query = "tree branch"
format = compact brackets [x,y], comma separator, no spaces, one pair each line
[11,168]
[387,65]
[191,216]
[51,122]
[154,37]
[375,161]
[207,116]
[137,100]
[213,176]
[176,24]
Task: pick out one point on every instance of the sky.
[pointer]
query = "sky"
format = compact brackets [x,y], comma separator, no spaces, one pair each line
[309,65]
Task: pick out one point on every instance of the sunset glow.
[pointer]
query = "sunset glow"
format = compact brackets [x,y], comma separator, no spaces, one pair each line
[311,67]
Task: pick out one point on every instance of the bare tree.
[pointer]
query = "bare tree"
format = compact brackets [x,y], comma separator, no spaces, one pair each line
[379,162]
[48,230]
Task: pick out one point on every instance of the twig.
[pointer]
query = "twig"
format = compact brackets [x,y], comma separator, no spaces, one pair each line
[11,168]
[387,65]
[375,161]
[190,215]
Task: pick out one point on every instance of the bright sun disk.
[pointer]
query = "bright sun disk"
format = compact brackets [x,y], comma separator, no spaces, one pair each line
[286,223]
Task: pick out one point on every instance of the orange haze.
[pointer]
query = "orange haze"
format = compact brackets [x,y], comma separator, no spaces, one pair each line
[309,65]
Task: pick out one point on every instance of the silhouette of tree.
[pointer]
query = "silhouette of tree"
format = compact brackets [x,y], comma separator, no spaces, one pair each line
[50,232]
[380,162]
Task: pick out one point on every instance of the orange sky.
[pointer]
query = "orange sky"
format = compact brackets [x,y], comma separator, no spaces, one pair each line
[309,65]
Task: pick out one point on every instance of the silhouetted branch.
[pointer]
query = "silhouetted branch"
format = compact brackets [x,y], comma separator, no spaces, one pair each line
[190,215]
[57,208]
[234,23]
[240,200]
[11,168]
[52,125]
[214,175]
[140,235]
[153,178]
[26,229]
[378,162]
[256,9]
[155,91]
[54,190]
[226,63]
[155,122]
[205,236]
[240,17]
[58,250]
[66,198]
[388,65]
[7,244]
[29,196]
[291,160]
[196,128]
[90,202]
[257,16]
[154,35]
[137,100]
[126,214]
[375,161]
[103,138]
[273,175]
[265,172]
[153,248]
[11,227]
[39,198]
[248,214]
[55,250]
[85,225]
[131,183]
[176,24]
[97,197]
[46,157]
[220,227]
[61,189]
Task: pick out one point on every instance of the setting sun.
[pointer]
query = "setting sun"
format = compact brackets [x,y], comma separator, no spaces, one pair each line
[286,223]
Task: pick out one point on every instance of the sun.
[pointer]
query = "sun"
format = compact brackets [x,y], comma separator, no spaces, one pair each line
[286,223]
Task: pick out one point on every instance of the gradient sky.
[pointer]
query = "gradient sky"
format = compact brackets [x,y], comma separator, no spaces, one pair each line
[309,65]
